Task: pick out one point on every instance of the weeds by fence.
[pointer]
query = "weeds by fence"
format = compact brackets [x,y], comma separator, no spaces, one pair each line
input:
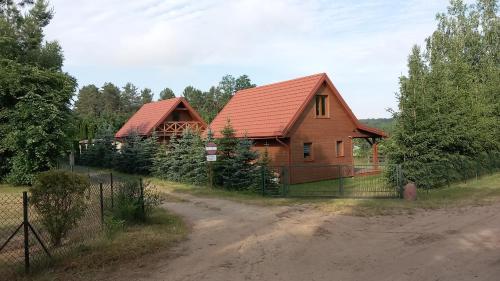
[24,240]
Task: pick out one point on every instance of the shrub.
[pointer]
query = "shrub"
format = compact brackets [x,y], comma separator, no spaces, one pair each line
[58,196]
[129,202]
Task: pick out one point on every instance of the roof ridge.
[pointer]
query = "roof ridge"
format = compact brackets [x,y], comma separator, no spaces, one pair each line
[170,99]
[281,82]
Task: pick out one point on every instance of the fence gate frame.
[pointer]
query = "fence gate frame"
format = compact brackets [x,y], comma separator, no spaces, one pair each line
[339,191]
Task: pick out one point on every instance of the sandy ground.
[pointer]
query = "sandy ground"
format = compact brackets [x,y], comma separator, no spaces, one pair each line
[233,241]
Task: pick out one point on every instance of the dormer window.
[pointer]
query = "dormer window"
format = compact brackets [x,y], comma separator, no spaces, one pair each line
[322,108]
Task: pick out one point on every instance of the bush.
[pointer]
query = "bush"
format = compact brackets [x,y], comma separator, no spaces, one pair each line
[58,196]
[129,202]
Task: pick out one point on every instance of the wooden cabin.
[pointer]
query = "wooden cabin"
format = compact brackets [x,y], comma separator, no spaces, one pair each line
[304,124]
[164,118]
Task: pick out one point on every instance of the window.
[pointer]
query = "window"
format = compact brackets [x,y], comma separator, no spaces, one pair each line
[340,148]
[322,106]
[308,151]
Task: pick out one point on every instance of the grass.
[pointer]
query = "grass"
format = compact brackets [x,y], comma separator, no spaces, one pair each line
[136,244]
[11,189]
[485,190]
[360,186]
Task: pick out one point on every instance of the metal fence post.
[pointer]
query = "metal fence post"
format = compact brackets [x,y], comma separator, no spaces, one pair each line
[111,183]
[101,199]
[26,233]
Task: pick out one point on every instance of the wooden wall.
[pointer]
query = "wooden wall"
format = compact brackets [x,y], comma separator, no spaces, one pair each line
[323,133]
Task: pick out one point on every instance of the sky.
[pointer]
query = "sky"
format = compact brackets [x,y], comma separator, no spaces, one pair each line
[362,45]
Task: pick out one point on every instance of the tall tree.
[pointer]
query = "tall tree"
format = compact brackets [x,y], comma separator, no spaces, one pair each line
[166,94]
[146,95]
[448,102]
[88,103]
[110,98]
[130,99]
[34,93]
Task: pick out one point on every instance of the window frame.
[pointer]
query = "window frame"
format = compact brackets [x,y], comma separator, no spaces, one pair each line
[340,152]
[310,157]
[321,102]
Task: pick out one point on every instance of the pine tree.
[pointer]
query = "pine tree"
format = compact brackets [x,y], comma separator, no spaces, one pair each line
[265,175]
[447,124]
[245,171]
[226,166]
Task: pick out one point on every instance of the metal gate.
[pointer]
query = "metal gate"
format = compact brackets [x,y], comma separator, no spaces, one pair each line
[346,181]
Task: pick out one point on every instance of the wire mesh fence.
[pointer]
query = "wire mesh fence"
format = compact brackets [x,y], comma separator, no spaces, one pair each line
[349,181]
[25,242]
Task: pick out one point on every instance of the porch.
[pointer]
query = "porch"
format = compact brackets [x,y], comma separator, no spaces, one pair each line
[171,128]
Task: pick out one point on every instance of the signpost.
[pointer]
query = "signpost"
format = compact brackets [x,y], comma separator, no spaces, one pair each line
[211,149]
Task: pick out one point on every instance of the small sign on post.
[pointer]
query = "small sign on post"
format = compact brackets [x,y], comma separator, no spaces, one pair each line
[211,149]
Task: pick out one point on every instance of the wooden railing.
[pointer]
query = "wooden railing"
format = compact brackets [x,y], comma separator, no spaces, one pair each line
[177,127]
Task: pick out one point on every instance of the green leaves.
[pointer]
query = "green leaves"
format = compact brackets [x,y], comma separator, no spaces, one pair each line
[34,94]
[210,103]
[448,109]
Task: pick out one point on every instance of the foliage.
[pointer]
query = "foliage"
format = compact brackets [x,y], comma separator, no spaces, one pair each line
[265,175]
[108,107]
[166,94]
[384,124]
[136,155]
[235,167]
[100,153]
[183,160]
[134,205]
[113,226]
[34,93]
[209,103]
[448,102]
[146,96]
[58,197]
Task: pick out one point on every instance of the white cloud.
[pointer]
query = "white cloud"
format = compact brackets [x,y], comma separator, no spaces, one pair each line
[353,40]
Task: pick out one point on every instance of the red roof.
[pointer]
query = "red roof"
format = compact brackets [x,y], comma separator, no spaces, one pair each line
[271,110]
[150,115]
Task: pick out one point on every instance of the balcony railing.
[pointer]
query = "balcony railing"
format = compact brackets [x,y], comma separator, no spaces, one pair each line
[177,127]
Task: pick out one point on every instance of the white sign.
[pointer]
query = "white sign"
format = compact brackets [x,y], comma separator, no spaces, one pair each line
[211,158]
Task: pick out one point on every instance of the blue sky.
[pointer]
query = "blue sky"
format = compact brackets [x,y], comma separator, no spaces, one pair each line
[361,45]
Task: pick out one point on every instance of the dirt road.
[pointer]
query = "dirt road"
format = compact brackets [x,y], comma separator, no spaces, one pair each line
[233,241]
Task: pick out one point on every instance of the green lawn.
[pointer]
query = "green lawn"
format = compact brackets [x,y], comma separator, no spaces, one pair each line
[11,207]
[359,186]
[10,189]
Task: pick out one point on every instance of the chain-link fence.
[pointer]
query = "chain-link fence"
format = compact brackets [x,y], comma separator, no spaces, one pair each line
[24,240]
